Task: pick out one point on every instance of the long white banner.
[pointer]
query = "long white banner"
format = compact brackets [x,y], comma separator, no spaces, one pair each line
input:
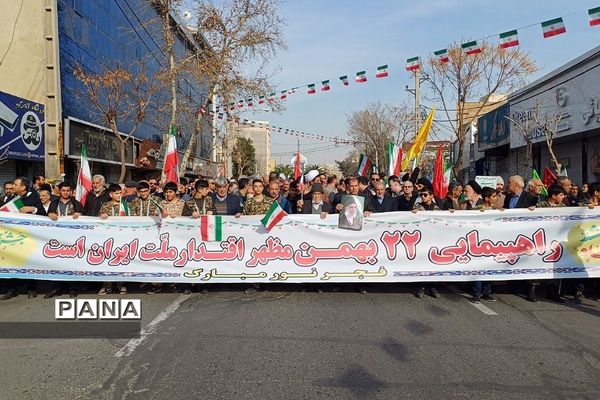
[391,247]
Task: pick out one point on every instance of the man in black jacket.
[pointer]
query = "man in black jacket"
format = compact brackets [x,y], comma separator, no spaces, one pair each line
[382,202]
[316,205]
[65,205]
[97,197]
[225,203]
[406,202]
[8,194]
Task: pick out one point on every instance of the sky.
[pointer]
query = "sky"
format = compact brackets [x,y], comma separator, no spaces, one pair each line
[328,39]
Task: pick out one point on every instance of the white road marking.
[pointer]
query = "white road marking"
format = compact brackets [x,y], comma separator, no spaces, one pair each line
[151,327]
[484,309]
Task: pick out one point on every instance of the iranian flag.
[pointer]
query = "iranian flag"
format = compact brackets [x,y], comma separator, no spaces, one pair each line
[442,55]
[361,77]
[241,104]
[413,64]
[325,86]
[220,115]
[509,39]
[447,175]
[171,163]
[271,97]
[394,159]
[261,99]
[211,228]
[84,179]
[471,48]
[553,27]
[311,89]
[123,208]
[273,216]
[283,95]
[13,206]
[594,14]
[382,71]
[231,106]
[364,165]
[250,103]
[344,80]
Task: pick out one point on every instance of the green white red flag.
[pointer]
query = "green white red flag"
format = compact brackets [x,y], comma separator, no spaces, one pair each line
[361,77]
[344,80]
[84,179]
[553,27]
[325,86]
[171,163]
[250,103]
[240,104]
[283,95]
[509,39]
[442,55]
[394,159]
[382,71]
[123,208]
[211,228]
[594,14]
[272,97]
[13,206]
[471,48]
[273,216]
[413,64]
[311,89]
[364,165]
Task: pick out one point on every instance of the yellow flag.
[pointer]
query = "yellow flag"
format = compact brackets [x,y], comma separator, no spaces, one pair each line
[419,144]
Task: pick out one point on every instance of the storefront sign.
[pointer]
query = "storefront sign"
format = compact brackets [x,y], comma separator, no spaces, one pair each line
[21,128]
[100,144]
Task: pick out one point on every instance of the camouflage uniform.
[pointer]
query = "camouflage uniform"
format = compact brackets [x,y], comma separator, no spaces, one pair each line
[173,207]
[109,208]
[144,208]
[200,205]
[546,204]
[253,207]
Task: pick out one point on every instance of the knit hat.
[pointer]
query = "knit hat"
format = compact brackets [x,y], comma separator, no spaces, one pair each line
[317,187]
[499,180]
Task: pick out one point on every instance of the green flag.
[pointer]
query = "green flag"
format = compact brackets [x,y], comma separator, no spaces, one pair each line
[535,175]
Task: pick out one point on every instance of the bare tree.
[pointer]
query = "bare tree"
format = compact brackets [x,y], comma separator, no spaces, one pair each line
[548,126]
[374,127]
[465,78]
[528,129]
[119,96]
[243,35]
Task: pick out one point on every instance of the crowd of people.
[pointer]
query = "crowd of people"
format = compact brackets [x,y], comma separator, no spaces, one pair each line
[320,194]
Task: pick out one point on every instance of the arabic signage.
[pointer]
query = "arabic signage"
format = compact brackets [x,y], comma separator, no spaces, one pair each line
[100,145]
[391,247]
[21,128]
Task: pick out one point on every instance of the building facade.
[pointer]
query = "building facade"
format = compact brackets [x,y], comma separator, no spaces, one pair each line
[62,35]
[567,103]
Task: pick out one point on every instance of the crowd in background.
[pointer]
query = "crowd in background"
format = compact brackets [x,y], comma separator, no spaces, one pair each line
[315,194]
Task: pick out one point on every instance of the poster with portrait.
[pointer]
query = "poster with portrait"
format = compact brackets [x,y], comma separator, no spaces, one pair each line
[351,216]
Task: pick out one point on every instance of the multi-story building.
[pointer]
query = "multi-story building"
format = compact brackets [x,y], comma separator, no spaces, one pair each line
[54,37]
[261,139]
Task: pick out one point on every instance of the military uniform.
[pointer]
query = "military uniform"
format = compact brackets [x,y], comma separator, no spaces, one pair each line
[200,205]
[173,207]
[109,208]
[253,207]
[144,208]
[546,204]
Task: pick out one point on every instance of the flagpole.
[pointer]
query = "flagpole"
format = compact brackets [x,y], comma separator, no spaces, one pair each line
[298,162]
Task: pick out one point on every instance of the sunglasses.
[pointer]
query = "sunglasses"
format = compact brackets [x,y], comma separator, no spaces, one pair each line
[374,179]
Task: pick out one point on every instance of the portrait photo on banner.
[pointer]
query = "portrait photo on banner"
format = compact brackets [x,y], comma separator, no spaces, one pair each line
[351,216]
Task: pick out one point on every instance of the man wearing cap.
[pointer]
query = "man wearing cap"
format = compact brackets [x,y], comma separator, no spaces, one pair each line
[500,196]
[130,192]
[225,203]
[316,204]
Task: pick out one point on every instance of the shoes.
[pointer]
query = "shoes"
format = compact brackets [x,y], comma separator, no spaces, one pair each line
[420,293]
[31,294]
[123,290]
[187,292]
[434,293]
[476,299]
[104,291]
[362,290]
[154,290]
[488,297]
[250,290]
[9,295]
[578,297]
[72,294]
[52,294]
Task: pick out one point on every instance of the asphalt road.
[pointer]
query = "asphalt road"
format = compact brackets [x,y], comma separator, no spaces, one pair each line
[288,344]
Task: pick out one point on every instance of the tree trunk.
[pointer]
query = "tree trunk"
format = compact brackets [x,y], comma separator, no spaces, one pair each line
[528,157]
[194,138]
[122,155]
